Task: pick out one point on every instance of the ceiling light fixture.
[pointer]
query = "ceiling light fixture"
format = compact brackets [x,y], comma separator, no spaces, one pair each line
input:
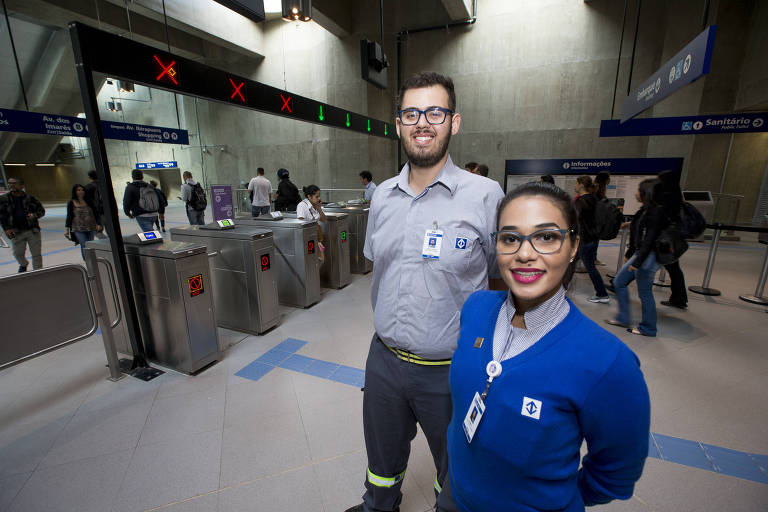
[45,165]
[297,10]
[14,165]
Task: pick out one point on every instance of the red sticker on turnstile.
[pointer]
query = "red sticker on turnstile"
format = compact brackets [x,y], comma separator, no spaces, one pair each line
[265,263]
[311,247]
[195,285]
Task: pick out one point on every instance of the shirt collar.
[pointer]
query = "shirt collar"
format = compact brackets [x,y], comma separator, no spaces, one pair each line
[541,314]
[447,177]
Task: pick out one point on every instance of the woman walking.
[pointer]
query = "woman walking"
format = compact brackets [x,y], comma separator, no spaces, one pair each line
[585,206]
[81,224]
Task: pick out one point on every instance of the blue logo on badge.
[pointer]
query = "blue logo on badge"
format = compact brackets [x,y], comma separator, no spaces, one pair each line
[461,243]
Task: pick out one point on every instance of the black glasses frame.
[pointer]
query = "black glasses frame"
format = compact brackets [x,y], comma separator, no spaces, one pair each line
[523,238]
[445,111]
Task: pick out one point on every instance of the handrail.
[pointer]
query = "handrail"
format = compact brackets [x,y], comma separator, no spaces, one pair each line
[113,289]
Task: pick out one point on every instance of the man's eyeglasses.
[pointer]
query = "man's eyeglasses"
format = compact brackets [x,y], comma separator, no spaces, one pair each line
[433,115]
[544,241]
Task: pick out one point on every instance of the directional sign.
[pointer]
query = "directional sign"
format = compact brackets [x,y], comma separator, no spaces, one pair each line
[157,165]
[686,125]
[686,66]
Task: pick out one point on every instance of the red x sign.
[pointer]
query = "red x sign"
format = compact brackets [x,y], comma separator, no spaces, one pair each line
[168,70]
[237,88]
[286,104]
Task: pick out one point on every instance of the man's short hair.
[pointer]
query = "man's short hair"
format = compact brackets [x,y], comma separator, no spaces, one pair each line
[471,166]
[260,171]
[92,174]
[186,174]
[366,175]
[136,174]
[547,178]
[482,170]
[428,79]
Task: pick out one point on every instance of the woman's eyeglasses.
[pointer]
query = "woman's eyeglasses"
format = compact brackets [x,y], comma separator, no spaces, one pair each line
[544,241]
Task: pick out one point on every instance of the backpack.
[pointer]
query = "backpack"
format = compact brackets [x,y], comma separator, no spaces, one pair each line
[148,200]
[197,201]
[692,222]
[608,220]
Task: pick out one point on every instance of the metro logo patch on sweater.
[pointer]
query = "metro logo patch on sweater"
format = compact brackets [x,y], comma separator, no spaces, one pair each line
[531,408]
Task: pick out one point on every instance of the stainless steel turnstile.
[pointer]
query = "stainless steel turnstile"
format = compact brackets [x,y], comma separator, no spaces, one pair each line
[172,287]
[296,258]
[334,272]
[245,283]
[358,223]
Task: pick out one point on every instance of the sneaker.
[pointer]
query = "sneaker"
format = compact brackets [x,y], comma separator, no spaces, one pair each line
[600,300]
[674,305]
[22,269]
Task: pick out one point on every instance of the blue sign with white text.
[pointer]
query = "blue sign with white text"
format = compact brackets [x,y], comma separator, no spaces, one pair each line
[686,125]
[157,165]
[686,66]
[68,126]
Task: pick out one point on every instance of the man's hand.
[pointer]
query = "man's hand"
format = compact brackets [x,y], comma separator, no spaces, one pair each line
[632,268]
[9,233]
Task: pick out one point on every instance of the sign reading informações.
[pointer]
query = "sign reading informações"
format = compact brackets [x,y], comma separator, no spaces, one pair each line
[686,66]
[69,126]
[686,125]
[592,165]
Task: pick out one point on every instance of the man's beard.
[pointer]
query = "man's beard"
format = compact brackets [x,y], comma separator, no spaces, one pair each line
[424,158]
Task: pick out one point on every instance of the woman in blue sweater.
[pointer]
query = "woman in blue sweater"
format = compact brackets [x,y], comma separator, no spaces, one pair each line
[532,378]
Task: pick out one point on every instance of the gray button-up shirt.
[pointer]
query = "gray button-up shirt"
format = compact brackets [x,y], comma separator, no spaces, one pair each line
[417,301]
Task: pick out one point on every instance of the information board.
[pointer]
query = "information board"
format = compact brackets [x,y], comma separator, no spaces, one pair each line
[222,204]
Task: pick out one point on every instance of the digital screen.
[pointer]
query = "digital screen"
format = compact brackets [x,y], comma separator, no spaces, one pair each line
[343,236]
[226,223]
[195,284]
[149,235]
[265,262]
[311,247]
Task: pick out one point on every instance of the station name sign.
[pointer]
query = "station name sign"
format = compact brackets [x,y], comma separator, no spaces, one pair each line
[686,125]
[686,66]
[67,126]
[157,165]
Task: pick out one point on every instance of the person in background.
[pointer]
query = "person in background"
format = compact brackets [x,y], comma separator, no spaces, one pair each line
[163,203]
[419,285]
[366,178]
[140,201]
[547,178]
[287,195]
[19,212]
[533,378]
[311,208]
[260,191]
[602,180]
[93,196]
[585,206]
[482,170]
[193,195]
[471,167]
[671,198]
[82,222]
[645,228]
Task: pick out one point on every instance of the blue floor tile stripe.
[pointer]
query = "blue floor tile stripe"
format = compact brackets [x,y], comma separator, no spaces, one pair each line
[748,466]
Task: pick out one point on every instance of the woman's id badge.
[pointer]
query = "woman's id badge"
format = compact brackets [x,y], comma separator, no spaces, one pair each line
[433,241]
[473,417]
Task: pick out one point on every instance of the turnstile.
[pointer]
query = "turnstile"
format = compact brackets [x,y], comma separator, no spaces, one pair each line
[334,272]
[172,288]
[358,223]
[296,257]
[245,287]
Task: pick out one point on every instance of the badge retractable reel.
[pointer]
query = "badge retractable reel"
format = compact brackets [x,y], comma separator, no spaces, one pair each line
[477,407]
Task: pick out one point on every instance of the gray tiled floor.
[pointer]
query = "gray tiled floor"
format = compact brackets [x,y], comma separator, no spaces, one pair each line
[71,440]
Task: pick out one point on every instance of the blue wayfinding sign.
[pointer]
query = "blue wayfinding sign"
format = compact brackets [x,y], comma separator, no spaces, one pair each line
[686,125]
[686,66]
[157,165]
[68,126]
[593,165]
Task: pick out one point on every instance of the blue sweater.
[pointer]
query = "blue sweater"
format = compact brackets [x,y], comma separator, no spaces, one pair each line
[590,387]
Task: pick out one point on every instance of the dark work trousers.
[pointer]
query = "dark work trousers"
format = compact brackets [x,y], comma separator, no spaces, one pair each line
[398,394]
[445,501]
[588,257]
[679,296]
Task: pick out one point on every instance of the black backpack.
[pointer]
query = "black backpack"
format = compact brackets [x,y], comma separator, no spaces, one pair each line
[197,201]
[608,219]
[692,222]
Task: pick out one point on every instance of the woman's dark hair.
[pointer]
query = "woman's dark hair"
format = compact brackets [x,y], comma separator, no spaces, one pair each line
[559,198]
[601,183]
[74,191]
[311,190]
[548,178]
[646,191]
[586,182]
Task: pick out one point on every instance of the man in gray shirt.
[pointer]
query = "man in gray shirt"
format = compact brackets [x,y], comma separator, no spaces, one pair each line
[429,239]
[194,198]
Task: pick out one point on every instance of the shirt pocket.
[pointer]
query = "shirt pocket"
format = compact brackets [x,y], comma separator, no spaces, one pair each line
[456,251]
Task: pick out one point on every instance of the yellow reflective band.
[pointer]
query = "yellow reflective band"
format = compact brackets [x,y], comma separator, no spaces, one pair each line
[413,358]
[438,488]
[383,481]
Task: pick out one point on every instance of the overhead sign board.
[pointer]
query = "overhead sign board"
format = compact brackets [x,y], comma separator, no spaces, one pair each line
[593,165]
[686,125]
[69,126]
[686,66]
[157,165]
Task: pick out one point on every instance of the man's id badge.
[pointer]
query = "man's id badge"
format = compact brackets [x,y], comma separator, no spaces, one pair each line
[473,417]
[433,241]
